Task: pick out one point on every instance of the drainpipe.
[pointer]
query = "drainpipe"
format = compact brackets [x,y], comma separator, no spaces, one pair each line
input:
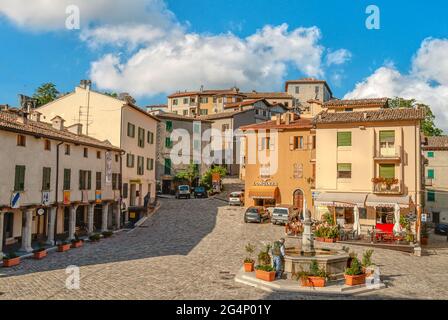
[57,190]
[122,152]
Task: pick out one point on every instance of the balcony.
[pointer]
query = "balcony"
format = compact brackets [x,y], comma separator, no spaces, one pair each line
[429,182]
[387,186]
[388,154]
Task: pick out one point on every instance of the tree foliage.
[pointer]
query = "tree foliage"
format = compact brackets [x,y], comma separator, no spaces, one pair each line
[428,126]
[206,179]
[46,93]
[189,174]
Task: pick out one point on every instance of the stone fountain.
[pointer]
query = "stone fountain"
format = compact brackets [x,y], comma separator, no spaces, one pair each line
[299,258]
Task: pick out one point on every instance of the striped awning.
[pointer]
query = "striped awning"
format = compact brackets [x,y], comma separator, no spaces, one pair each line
[388,202]
[336,199]
[263,192]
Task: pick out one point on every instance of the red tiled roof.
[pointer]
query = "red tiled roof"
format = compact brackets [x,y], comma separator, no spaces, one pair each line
[437,143]
[357,103]
[12,121]
[223,115]
[267,95]
[205,93]
[300,123]
[242,104]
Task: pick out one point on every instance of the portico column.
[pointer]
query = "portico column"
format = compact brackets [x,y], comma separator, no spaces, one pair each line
[27,221]
[118,216]
[2,215]
[51,223]
[90,214]
[105,216]
[72,222]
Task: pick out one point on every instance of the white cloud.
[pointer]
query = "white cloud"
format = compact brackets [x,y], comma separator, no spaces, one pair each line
[429,64]
[338,57]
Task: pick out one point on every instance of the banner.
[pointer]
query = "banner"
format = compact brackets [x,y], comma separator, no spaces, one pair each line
[98,196]
[108,168]
[66,197]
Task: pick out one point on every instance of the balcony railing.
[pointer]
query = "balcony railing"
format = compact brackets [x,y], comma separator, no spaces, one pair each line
[387,186]
[389,153]
[428,182]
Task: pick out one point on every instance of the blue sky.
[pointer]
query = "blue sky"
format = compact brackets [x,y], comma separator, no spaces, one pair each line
[32,55]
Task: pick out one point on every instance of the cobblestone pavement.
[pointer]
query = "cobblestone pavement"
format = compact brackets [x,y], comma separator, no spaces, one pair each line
[191,249]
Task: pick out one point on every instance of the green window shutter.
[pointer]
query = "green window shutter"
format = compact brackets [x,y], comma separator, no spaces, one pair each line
[431,196]
[344,167]
[19,178]
[169,125]
[168,143]
[387,171]
[344,139]
[168,166]
[387,136]
[67,178]
[431,154]
[431,174]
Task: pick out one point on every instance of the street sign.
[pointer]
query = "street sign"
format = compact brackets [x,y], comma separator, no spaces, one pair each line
[15,200]
[315,194]
[424,217]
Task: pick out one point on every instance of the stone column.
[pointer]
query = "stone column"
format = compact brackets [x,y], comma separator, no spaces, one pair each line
[105,216]
[118,216]
[2,219]
[72,222]
[51,225]
[27,222]
[90,214]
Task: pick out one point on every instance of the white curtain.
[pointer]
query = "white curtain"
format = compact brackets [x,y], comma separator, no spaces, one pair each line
[356,224]
[397,226]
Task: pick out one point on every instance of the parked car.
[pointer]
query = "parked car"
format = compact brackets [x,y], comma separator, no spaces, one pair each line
[282,214]
[256,214]
[200,192]
[441,228]
[183,191]
[236,198]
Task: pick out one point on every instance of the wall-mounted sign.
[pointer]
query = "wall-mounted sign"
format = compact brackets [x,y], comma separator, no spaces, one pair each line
[424,217]
[40,211]
[265,184]
[66,197]
[15,200]
[98,196]
[136,181]
[45,198]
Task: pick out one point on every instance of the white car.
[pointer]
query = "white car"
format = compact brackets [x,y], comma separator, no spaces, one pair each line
[236,198]
[183,192]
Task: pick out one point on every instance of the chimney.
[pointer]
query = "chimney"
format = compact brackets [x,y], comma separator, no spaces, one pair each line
[35,115]
[85,84]
[57,123]
[75,128]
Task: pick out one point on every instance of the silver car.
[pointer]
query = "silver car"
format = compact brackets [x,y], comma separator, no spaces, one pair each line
[236,198]
[282,214]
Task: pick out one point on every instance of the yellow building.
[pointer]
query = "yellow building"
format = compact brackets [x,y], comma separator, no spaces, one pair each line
[368,161]
[295,147]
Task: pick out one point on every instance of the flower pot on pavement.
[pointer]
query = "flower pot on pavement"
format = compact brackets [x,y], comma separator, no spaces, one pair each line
[7,263]
[38,255]
[77,244]
[318,282]
[248,267]
[355,280]
[265,275]
[63,247]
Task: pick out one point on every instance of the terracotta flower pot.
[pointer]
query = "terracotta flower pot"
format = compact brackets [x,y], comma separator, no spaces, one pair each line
[318,282]
[424,241]
[355,280]
[40,254]
[77,244]
[330,240]
[63,247]
[248,267]
[320,239]
[265,275]
[7,263]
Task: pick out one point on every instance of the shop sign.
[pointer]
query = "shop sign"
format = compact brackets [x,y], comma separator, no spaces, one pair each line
[265,184]
[98,196]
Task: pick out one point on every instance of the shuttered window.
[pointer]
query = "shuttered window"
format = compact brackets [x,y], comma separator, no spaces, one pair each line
[431,196]
[141,137]
[387,136]
[431,154]
[387,171]
[168,143]
[46,179]
[67,179]
[131,130]
[167,166]
[431,174]
[140,165]
[19,180]
[344,139]
[344,170]
[98,181]
[169,125]
[150,138]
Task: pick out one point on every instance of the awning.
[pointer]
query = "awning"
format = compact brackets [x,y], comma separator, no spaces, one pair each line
[333,199]
[389,202]
[263,192]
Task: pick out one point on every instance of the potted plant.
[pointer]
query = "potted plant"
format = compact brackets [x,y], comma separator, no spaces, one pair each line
[249,262]
[367,265]
[315,277]
[265,272]
[77,243]
[318,234]
[354,275]
[40,252]
[64,246]
[264,259]
[424,235]
[95,237]
[107,234]
[11,260]
[332,234]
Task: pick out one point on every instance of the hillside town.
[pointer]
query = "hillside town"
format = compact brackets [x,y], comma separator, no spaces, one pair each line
[90,165]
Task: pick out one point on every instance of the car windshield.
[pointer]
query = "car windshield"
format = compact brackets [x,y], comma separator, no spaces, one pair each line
[252,210]
[183,188]
[234,195]
[281,211]
[200,189]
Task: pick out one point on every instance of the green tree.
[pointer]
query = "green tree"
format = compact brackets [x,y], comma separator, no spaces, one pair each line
[189,174]
[428,126]
[111,94]
[46,93]
[206,179]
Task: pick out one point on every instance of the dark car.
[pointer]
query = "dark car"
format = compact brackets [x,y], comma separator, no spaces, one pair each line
[256,214]
[441,228]
[200,192]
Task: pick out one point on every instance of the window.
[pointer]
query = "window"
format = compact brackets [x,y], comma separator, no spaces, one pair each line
[348,109]
[130,160]
[203,100]
[98,154]
[169,126]
[344,139]
[185,100]
[67,150]
[225,127]
[19,180]
[185,112]
[174,102]
[362,213]
[114,181]
[431,154]
[141,137]
[98,181]
[265,143]
[298,142]
[67,179]
[344,170]
[297,89]
[131,130]
[168,142]
[140,165]
[21,140]
[149,164]
[86,153]
[150,138]
[46,179]
[314,142]
[167,170]
[316,90]
[431,196]
[204,112]
[387,139]
[192,100]
[117,158]
[298,171]
[85,180]
[215,99]
[47,145]
[431,174]
[125,190]
[387,171]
